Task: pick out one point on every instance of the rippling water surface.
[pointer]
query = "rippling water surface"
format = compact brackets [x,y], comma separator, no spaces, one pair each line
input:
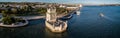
[89,24]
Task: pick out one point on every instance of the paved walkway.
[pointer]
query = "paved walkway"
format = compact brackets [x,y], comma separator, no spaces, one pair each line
[31,17]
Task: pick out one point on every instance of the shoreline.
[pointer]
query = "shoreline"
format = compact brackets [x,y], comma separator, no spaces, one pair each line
[15,25]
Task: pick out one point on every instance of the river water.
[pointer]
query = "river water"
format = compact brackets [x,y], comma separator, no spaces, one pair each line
[89,24]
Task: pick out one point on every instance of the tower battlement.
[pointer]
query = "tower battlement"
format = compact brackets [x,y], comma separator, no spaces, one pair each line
[51,10]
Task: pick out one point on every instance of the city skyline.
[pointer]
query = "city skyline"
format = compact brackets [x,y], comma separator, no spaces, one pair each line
[69,1]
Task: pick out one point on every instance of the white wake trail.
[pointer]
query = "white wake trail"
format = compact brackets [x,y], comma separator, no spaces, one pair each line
[106,17]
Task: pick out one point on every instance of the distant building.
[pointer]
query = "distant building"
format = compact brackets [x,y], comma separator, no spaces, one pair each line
[38,6]
[62,6]
[74,7]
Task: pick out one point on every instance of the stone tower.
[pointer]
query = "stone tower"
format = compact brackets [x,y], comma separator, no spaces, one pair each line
[51,14]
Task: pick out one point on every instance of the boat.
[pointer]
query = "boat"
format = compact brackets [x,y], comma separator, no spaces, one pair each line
[78,12]
[101,14]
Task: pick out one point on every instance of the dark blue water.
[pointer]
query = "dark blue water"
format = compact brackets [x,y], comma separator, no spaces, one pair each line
[89,24]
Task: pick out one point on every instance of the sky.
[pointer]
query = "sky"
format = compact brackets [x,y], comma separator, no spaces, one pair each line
[69,1]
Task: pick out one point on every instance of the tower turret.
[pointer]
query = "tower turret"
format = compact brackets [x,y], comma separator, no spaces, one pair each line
[51,14]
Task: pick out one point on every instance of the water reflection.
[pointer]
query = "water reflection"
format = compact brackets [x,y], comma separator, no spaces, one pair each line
[49,34]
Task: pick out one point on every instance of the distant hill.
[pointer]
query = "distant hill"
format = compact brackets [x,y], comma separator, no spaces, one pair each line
[110,5]
[104,5]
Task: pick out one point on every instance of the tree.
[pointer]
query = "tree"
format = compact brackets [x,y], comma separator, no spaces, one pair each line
[4,14]
[61,10]
[42,10]
[7,20]
[14,10]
